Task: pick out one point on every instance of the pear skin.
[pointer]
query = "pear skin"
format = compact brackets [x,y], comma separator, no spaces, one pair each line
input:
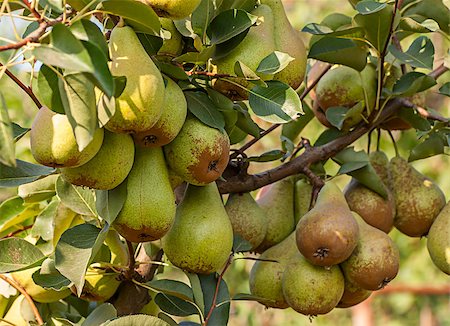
[108,168]
[100,285]
[149,209]
[418,199]
[201,238]
[303,193]
[438,242]
[328,233]
[173,9]
[353,295]
[140,105]
[171,47]
[53,142]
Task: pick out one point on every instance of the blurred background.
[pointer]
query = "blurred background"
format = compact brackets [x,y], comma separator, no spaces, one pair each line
[418,295]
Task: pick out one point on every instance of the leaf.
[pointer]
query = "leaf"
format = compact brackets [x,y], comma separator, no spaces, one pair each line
[13,212]
[151,43]
[245,122]
[269,156]
[367,7]
[344,118]
[174,288]
[18,131]
[420,54]
[431,146]
[240,244]
[48,89]
[201,18]
[39,190]
[274,62]
[78,98]
[414,119]
[43,226]
[352,166]
[317,29]
[7,149]
[412,83]
[229,24]
[25,172]
[292,129]
[428,9]
[49,277]
[78,199]
[136,14]
[200,105]
[410,25]
[197,291]
[101,314]
[247,297]
[241,70]
[221,313]
[18,254]
[175,306]
[105,109]
[445,89]
[277,103]
[197,58]
[87,31]
[109,203]
[222,102]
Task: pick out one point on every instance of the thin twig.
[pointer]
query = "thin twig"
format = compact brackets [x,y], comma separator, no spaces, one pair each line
[32,10]
[12,234]
[19,288]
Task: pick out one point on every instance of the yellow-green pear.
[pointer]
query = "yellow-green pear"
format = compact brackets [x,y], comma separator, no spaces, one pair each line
[53,142]
[247,218]
[4,302]
[438,242]
[418,200]
[201,238]
[173,9]
[171,121]
[149,209]
[173,45]
[199,154]
[353,295]
[108,168]
[278,204]
[302,200]
[38,293]
[328,233]
[19,314]
[140,105]
[100,284]
[288,40]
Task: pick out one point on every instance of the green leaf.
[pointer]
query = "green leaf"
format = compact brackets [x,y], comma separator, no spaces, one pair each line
[245,121]
[240,244]
[175,306]
[48,89]
[18,254]
[197,290]
[274,62]
[174,288]
[87,31]
[25,172]
[79,102]
[221,313]
[79,5]
[222,102]
[292,129]
[197,58]
[101,314]
[269,156]
[151,43]
[200,105]
[344,118]
[105,109]
[18,131]
[7,147]
[201,18]
[49,277]
[433,145]
[109,203]
[229,24]
[80,200]
[420,54]
[317,29]
[414,119]
[367,7]
[39,190]
[43,226]
[241,70]
[348,167]
[225,48]
[412,83]
[428,9]
[277,103]
[410,25]
[136,14]
[445,89]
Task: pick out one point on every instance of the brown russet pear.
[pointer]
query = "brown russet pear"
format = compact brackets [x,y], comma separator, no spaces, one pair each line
[302,201]
[438,242]
[149,209]
[201,238]
[109,167]
[278,204]
[328,233]
[173,9]
[418,199]
[247,218]
[53,142]
[353,295]
[140,105]
[312,290]
[199,154]
[171,121]
[375,260]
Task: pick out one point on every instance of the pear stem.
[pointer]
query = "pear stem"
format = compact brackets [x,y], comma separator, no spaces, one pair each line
[19,288]
[394,143]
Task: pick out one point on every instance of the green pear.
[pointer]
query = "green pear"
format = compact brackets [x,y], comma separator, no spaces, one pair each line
[171,121]
[375,260]
[53,142]
[302,201]
[278,204]
[38,293]
[201,239]
[173,9]
[199,154]
[138,320]
[438,242]
[418,199]
[312,290]
[100,284]
[149,209]
[257,44]
[174,45]
[108,168]
[266,273]
[140,105]
[288,40]
[328,233]
[247,218]
[19,314]
[4,303]
[353,295]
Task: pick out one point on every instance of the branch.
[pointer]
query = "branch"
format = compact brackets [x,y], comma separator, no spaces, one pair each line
[420,290]
[19,288]
[32,10]
[131,261]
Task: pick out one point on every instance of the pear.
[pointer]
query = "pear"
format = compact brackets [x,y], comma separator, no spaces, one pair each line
[353,295]
[4,303]
[266,273]
[418,199]
[375,260]
[201,239]
[53,142]
[257,44]
[108,168]
[173,9]
[38,293]
[19,314]
[302,201]
[278,204]
[171,121]
[328,233]
[174,45]
[140,105]
[438,242]
[149,209]
[199,153]
[247,218]
[100,284]
[138,320]
[288,40]
[312,290]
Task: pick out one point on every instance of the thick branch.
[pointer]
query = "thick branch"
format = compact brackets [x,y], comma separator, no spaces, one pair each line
[418,290]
